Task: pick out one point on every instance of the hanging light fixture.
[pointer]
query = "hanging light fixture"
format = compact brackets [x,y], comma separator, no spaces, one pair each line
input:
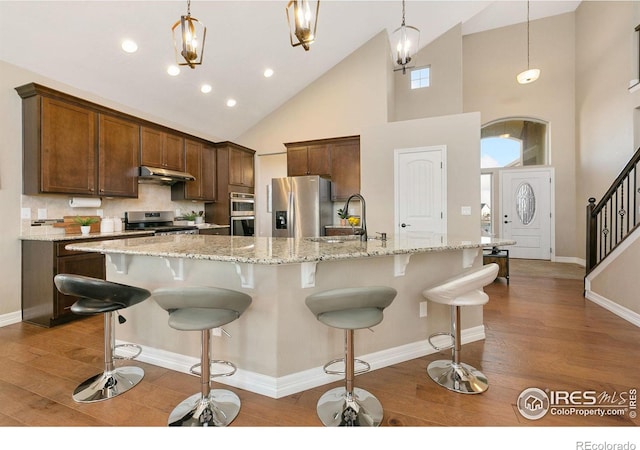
[407,39]
[189,49]
[302,22]
[529,75]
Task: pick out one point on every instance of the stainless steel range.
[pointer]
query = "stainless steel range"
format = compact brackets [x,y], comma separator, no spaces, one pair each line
[160,222]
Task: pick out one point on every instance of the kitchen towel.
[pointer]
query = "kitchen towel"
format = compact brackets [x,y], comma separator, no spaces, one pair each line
[83,202]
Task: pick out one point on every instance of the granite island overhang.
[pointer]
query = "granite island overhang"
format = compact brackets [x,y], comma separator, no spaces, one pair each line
[277,344]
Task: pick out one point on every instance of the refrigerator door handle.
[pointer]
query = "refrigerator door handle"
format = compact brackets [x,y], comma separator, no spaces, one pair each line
[292,220]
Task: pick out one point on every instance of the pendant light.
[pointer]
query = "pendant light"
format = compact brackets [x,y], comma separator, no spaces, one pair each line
[189,49]
[302,22]
[406,38]
[529,75]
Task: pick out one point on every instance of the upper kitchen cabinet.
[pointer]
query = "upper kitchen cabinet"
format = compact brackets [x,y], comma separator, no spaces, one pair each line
[71,146]
[237,166]
[200,161]
[312,159]
[161,149]
[119,157]
[59,146]
[337,159]
[345,168]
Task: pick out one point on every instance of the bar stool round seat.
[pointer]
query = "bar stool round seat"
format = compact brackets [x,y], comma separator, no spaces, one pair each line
[462,290]
[202,309]
[103,297]
[350,309]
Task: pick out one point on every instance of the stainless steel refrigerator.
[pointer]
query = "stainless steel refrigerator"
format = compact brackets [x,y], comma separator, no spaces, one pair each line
[300,206]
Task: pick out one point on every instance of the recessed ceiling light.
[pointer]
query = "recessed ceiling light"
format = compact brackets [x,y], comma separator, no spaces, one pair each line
[205,88]
[129,46]
[173,70]
[231,103]
[268,73]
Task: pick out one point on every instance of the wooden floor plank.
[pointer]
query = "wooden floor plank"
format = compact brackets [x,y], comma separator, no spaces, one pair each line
[540,332]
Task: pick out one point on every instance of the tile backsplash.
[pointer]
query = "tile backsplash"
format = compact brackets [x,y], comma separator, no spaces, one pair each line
[151,197]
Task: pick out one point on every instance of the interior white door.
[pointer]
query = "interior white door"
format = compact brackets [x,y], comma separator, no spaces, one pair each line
[525,209]
[420,191]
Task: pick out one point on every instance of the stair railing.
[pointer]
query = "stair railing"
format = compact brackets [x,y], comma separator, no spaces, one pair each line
[616,215]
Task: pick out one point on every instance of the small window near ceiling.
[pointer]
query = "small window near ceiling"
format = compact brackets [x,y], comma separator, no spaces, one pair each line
[420,78]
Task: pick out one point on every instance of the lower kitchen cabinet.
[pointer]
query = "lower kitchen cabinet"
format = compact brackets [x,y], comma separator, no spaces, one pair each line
[223,231]
[42,303]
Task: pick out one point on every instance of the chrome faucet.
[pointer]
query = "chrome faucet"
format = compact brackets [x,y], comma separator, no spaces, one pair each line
[363,220]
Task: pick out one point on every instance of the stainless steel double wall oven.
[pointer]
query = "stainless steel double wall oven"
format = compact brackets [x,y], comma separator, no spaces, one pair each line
[242,214]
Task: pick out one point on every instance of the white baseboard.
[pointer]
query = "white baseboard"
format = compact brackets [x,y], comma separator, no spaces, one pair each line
[307,379]
[618,310]
[571,260]
[10,318]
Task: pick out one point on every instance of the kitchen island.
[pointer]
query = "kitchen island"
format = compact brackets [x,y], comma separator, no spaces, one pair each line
[278,345]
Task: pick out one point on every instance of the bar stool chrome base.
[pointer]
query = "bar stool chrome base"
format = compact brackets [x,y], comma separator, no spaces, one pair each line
[108,384]
[216,410]
[361,409]
[459,377]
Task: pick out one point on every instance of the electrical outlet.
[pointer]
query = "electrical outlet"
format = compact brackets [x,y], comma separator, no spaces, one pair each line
[100,212]
[423,309]
[42,213]
[216,332]
[25,213]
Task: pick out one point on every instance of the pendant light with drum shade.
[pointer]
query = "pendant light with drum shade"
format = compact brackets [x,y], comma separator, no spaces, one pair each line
[303,22]
[186,31]
[407,39]
[529,75]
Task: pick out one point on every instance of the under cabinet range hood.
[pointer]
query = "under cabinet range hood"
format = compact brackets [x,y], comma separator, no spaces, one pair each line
[156,175]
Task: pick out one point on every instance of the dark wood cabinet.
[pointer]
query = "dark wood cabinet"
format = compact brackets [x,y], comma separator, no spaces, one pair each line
[241,171]
[60,147]
[223,231]
[337,159]
[345,168]
[161,149]
[119,157]
[71,146]
[309,160]
[235,169]
[42,304]
[200,161]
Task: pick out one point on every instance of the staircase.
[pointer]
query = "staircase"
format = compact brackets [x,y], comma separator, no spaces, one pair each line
[613,246]
[615,216]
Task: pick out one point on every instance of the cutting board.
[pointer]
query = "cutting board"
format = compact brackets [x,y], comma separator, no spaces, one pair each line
[71,227]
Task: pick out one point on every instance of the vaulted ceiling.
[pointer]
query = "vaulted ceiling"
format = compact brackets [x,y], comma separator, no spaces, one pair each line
[77,43]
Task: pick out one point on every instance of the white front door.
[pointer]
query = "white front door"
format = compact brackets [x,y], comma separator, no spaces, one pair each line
[420,191]
[525,211]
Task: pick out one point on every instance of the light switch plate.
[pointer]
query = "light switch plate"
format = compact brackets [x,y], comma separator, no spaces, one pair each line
[465,210]
[423,309]
[25,213]
[42,213]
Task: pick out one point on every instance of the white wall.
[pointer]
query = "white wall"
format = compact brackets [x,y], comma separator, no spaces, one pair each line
[444,95]
[491,61]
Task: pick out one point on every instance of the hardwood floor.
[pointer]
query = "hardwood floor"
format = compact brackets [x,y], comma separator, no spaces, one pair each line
[540,332]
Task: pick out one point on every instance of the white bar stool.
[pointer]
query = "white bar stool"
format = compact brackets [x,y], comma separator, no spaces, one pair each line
[202,309]
[350,309]
[98,296]
[462,290]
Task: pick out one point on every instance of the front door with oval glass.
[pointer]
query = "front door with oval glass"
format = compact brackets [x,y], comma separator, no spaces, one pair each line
[525,211]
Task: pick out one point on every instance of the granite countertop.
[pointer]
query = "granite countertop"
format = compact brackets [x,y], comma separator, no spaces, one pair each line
[60,235]
[270,251]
